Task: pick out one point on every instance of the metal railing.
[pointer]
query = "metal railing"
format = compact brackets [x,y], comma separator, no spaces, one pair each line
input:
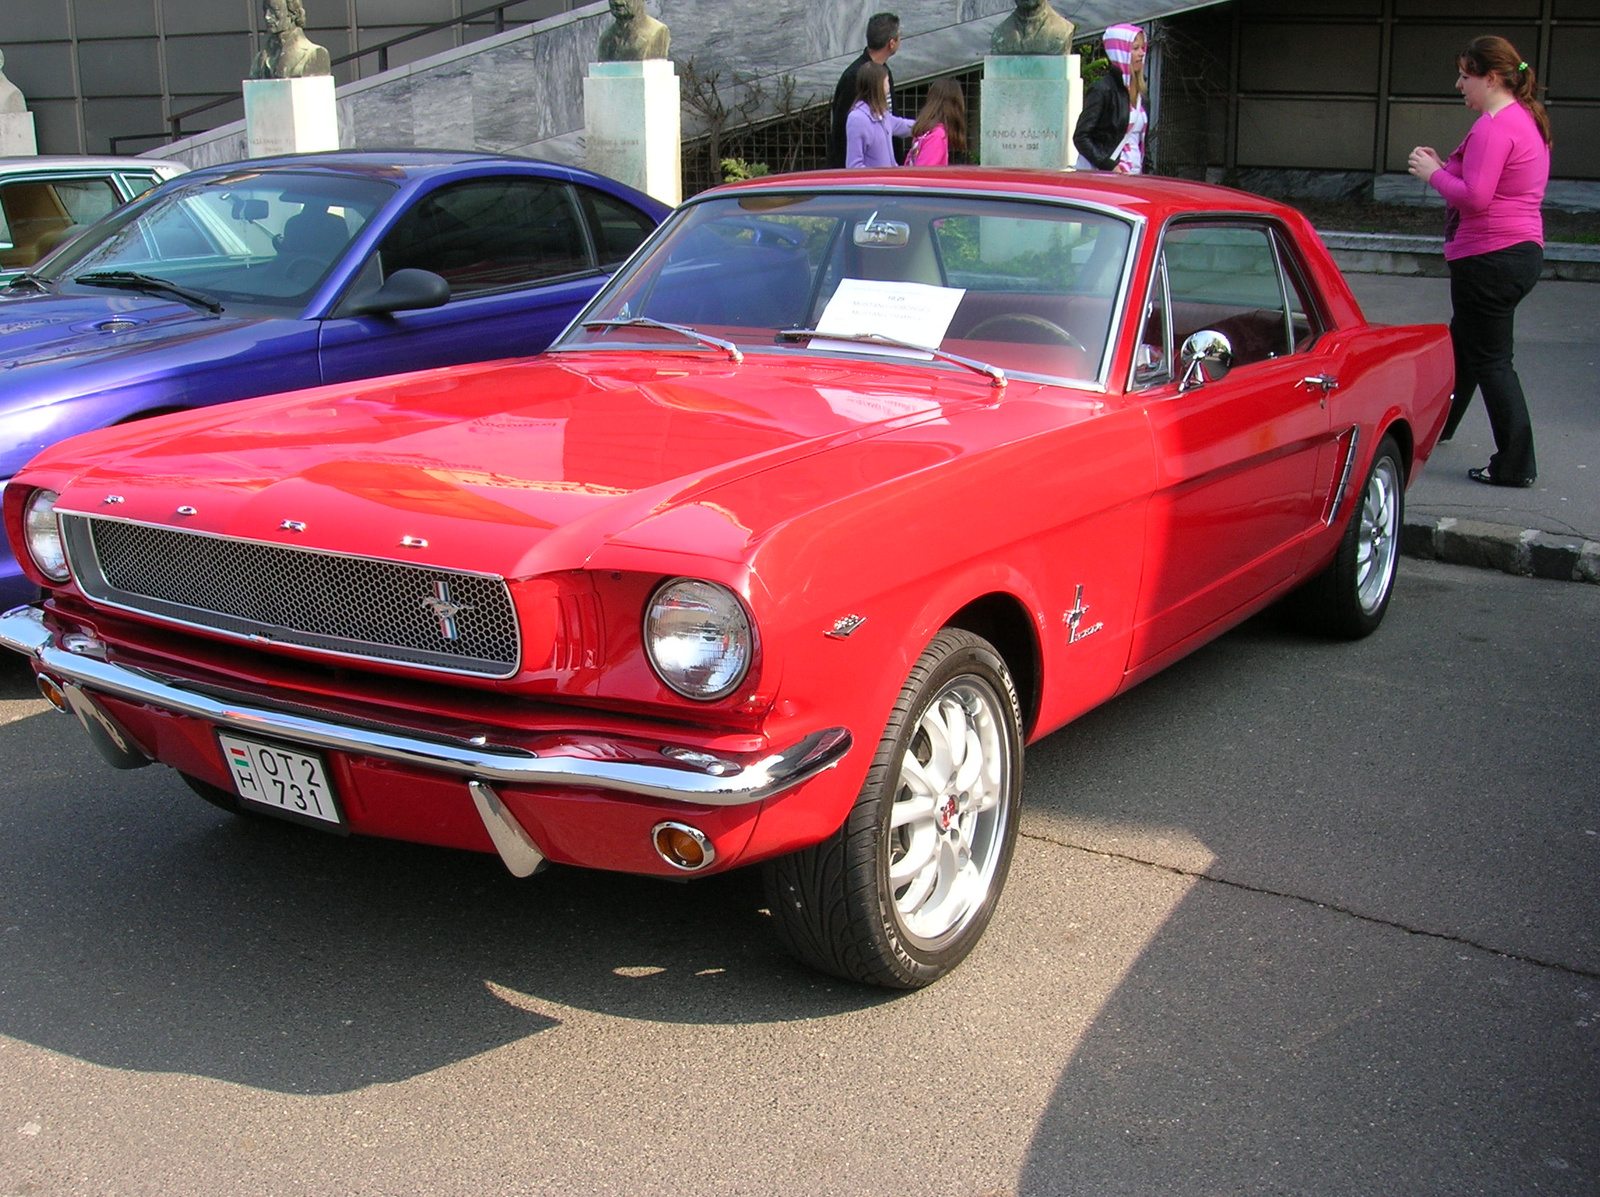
[174,130]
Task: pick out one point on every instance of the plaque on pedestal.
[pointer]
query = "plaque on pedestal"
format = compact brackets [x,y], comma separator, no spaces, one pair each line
[1030,106]
[17,138]
[290,116]
[632,128]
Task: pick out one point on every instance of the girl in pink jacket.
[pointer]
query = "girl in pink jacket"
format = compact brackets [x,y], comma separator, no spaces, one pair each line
[941,126]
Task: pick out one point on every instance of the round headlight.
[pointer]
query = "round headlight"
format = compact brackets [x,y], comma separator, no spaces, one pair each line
[43,535]
[698,638]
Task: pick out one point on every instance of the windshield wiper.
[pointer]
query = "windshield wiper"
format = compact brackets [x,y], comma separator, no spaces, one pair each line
[29,279]
[682,330]
[132,280]
[997,376]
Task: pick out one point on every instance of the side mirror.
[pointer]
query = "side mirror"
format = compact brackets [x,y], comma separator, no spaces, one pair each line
[406,290]
[1207,356]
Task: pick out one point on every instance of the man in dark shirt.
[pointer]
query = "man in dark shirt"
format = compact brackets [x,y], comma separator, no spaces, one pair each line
[883,39]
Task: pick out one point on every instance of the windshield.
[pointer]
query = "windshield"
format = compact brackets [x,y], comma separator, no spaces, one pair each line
[1027,287]
[253,239]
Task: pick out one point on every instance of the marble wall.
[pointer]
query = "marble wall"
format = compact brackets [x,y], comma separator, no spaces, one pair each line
[521,92]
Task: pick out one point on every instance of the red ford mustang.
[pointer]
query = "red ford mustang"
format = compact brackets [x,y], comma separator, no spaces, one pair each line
[847,486]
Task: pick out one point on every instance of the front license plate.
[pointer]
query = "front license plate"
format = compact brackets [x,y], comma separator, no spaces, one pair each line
[283,780]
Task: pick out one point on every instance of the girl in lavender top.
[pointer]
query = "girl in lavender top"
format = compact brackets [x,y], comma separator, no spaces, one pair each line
[1493,185]
[870,129]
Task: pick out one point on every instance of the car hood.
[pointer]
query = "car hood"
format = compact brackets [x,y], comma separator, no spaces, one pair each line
[509,468]
[69,330]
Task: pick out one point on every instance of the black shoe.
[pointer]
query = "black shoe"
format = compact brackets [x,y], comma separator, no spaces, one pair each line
[1486,476]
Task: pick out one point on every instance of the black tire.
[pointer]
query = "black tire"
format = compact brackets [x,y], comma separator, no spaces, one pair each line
[835,905]
[1349,598]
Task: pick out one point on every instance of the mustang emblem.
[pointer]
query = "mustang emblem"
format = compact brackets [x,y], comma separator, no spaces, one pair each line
[1074,619]
[844,626]
[444,610]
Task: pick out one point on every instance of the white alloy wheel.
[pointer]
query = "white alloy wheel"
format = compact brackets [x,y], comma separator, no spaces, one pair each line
[1349,598]
[1378,535]
[903,890]
[948,818]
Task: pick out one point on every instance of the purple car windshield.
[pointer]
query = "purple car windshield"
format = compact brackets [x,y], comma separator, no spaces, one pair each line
[256,240]
[1023,287]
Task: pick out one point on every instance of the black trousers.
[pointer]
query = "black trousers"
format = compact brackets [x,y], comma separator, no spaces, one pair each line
[1485,290]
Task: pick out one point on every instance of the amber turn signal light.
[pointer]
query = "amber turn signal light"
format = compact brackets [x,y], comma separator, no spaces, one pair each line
[52,692]
[683,847]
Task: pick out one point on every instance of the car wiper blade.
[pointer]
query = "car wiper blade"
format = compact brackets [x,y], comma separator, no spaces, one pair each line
[132,280]
[30,280]
[996,376]
[682,330]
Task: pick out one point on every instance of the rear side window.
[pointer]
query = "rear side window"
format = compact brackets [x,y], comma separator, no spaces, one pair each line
[617,227]
[138,184]
[490,234]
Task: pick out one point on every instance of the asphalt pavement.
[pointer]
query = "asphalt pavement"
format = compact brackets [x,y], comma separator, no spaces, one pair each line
[1551,529]
[1293,917]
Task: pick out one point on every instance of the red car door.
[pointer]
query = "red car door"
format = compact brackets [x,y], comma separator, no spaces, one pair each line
[1236,456]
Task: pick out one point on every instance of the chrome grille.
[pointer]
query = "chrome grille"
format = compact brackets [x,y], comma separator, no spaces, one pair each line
[353,606]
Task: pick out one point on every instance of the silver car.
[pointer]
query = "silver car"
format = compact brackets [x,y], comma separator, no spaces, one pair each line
[45,202]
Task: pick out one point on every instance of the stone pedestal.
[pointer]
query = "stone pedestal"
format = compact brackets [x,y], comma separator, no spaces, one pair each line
[290,116]
[17,138]
[1030,107]
[632,127]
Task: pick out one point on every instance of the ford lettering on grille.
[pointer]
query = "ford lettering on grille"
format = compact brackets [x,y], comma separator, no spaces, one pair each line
[352,606]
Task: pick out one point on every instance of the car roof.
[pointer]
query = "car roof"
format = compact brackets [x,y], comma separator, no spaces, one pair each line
[63,162]
[1145,195]
[391,164]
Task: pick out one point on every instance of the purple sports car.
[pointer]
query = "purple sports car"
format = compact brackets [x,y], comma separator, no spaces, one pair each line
[277,274]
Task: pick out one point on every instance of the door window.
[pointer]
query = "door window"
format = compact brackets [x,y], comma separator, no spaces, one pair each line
[1230,278]
[489,234]
[41,213]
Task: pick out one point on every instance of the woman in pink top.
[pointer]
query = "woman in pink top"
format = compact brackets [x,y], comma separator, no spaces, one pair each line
[1493,242]
[941,126]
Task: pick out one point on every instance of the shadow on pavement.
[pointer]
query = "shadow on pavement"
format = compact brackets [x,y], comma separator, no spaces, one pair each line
[141,929]
[1261,1049]
[1321,1014]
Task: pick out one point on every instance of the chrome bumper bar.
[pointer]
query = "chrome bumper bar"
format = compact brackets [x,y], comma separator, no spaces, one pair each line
[692,776]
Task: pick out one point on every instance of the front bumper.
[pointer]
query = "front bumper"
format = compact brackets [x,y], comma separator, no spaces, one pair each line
[678,774]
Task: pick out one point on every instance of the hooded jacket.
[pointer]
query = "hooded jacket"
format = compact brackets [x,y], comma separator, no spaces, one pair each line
[1104,120]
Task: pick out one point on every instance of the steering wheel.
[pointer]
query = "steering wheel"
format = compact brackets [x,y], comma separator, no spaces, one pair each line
[1025,322]
[304,269]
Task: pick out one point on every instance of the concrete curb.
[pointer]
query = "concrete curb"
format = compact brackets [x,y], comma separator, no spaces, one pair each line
[1525,551]
[1408,254]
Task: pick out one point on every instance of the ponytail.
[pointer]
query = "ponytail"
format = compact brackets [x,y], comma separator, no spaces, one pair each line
[1494,55]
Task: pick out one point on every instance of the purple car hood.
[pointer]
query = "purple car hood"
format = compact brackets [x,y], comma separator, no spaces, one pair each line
[69,330]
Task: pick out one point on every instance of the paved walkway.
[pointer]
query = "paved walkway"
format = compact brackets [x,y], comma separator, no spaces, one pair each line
[1552,529]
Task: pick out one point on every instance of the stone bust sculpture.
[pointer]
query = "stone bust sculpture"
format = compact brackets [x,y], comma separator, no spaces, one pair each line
[1033,28]
[288,52]
[633,34]
[10,98]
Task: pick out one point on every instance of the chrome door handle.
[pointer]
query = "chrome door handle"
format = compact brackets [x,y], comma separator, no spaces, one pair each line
[1327,382]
